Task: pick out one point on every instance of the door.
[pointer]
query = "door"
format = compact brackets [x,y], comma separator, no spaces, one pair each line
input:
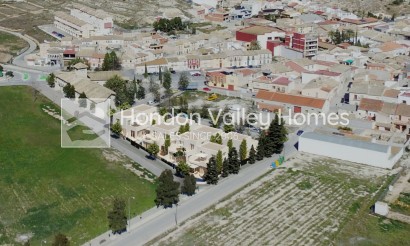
[297,109]
[230,87]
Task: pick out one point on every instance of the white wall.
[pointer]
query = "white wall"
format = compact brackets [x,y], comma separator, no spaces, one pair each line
[348,153]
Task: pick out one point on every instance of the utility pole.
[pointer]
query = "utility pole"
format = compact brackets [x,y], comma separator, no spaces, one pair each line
[176,214]
[129,212]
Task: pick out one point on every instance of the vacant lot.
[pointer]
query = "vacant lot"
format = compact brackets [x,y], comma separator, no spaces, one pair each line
[46,189]
[11,44]
[306,204]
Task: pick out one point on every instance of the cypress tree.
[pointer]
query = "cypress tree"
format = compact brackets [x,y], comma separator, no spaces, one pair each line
[219,161]
[260,150]
[230,144]
[243,152]
[189,186]
[234,164]
[252,155]
[211,175]
[167,190]
[225,168]
[276,136]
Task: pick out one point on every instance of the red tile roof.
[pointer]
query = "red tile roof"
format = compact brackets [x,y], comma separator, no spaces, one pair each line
[295,67]
[372,105]
[324,72]
[291,99]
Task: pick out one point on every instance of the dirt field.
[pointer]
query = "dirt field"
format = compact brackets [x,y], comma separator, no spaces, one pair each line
[305,203]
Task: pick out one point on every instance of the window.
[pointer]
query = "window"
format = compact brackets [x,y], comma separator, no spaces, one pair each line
[133,134]
[192,146]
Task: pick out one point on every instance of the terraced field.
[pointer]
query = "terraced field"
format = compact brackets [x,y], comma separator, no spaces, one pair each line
[286,207]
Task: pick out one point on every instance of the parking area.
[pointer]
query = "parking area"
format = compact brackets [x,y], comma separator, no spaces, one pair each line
[53,31]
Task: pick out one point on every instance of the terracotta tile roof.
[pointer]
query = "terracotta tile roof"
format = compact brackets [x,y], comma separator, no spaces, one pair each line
[403,109]
[246,71]
[291,99]
[391,93]
[269,107]
[324,72]
[389,46]
[259,30]
[372,105]
[360,21]
[295,67]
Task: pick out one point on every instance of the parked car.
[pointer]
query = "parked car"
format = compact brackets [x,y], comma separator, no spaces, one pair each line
[300,132]
[151,102]
[206,89]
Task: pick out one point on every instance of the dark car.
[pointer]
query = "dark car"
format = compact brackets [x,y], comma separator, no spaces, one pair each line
[300,132]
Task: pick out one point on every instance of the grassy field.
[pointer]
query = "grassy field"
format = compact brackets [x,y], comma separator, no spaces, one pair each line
[11,44]
[46,189]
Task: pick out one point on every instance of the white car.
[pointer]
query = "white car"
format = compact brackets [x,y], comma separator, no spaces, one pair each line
[151,102]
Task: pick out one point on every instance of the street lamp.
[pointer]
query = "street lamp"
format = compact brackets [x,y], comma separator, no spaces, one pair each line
[129,212]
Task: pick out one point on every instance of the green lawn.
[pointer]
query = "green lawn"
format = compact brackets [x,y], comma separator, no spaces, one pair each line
[10,43]
[46,189]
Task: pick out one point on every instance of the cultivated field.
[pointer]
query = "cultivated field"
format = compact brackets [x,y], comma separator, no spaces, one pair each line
[306,202]
[46,189]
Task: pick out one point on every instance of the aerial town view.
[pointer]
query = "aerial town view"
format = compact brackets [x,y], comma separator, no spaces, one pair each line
[204,122]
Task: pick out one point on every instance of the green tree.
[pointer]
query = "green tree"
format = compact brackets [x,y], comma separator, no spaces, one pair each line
[145,71]
[83,100]
[167,143]
[124,91]
[140,92]
[69,91]
[160,74]
[252,155]
[228,128]
[260,150]
[219,161]
[217,138]
[51,80]
[117,220]
[225,168]
[60,240]
[276,137]
[211,176]
[243,152]
[234,164]
[230,144]
[167,190]
[183,169]
[183,82]
[254,45]
[153,149]
[116,128]
[189,186]
[167,81]
[111,62]
[187,128]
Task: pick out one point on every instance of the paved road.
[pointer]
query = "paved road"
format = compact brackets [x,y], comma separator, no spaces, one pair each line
[138,155]
[19,60]
[157,220]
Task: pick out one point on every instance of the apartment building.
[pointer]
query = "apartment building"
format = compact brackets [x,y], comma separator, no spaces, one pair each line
[101,21]
[307,44]
[73,26]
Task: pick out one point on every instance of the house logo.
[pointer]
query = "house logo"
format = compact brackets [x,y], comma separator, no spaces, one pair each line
[85,123]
